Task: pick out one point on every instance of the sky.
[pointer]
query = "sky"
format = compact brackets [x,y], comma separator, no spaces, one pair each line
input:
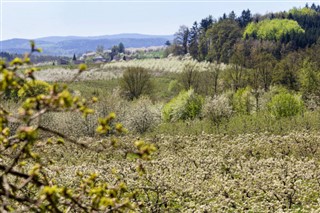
[32,19]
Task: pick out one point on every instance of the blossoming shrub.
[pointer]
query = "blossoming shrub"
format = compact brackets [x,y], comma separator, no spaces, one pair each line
[142,115]
[217,108]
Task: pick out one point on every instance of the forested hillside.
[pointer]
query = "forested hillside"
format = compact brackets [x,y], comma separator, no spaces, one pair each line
[276,33]
[262,50]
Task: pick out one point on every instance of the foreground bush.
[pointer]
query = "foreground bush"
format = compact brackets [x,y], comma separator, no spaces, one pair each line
[187,105]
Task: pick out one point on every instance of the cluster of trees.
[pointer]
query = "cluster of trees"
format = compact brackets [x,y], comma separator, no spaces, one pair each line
[115,50]
[216,40]
[261,51]
[253,64]
[202,38]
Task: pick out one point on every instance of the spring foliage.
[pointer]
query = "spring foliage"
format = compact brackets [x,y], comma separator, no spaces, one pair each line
[242,101]
[143,115]
[33,89]
[302,11]
[285,105]
[187,105]
[273,29]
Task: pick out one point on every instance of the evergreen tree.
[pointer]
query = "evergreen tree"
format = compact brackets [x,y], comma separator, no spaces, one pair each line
[232,15]
[221,37]
[224,16]
[245,18]
[206,23]
[121,47]
[114,51]
[314,7]
[194,40]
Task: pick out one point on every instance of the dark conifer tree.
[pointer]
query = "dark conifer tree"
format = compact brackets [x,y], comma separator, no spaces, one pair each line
[121,47]
[194,40]
[245,18]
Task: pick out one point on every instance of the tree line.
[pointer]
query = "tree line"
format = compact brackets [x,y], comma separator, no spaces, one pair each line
[215,40]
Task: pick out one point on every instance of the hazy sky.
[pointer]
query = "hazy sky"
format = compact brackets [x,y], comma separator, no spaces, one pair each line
[39,18]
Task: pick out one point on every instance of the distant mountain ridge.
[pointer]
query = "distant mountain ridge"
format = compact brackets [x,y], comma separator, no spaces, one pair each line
[69,45]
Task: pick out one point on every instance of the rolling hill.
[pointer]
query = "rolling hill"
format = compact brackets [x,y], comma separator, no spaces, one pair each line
[68,45]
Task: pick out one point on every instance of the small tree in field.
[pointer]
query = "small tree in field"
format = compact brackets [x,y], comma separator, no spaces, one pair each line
[135,82]
[190,75]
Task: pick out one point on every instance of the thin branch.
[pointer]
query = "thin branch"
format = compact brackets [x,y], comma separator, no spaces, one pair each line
[19,199]
[15,160]
[63,136]
[20,174]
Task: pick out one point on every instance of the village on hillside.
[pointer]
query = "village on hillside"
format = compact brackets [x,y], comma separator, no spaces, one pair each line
[116,53]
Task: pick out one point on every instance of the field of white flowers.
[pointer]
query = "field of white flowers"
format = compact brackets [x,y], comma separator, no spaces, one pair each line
[210,173]
[61,74]
[114,70]
[170,64]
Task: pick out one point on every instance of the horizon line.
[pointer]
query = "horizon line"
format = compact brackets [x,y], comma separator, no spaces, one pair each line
[143,34]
